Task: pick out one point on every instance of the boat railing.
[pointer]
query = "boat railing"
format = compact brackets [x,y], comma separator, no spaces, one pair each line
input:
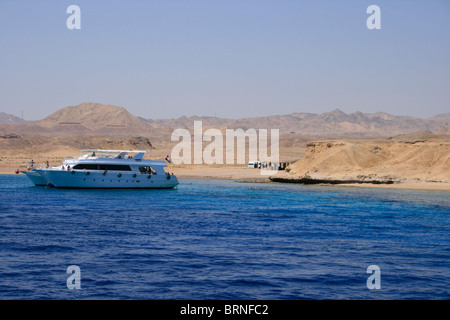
[34,165]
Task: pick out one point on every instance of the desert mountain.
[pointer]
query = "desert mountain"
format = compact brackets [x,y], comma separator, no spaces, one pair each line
[93,117]
[444,129]
[6,118]
[97,119]
[334,123]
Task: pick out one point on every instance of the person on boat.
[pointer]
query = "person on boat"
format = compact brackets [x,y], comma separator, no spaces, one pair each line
[68,168]
[93,154]
[167,159]
[48,165]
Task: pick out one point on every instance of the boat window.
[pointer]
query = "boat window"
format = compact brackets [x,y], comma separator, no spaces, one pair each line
[147,170]
[86,167]
[114,167]
[108,167]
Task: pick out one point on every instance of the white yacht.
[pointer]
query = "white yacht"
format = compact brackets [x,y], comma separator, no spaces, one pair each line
[105,169]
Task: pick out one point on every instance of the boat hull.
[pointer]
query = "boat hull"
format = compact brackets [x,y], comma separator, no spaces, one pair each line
[108,180]
[36,178]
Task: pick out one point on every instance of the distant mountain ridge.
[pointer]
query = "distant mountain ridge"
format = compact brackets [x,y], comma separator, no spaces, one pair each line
[6,118]
[335,122]
[98,119]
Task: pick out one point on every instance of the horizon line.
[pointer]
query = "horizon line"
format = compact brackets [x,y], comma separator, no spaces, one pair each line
[227,118]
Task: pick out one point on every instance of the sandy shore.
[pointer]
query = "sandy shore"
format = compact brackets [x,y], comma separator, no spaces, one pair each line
[218,172]
[242,173]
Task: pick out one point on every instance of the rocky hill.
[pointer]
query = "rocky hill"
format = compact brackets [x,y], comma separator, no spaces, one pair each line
[444,129]
[406,158]
[6,118]
[91,118]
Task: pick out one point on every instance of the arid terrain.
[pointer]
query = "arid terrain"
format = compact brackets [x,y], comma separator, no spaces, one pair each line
[405,159]
[336,148]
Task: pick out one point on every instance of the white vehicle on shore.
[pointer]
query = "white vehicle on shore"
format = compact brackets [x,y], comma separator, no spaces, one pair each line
[254,165]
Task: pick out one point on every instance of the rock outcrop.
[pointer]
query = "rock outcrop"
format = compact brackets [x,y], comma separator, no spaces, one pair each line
[386,161]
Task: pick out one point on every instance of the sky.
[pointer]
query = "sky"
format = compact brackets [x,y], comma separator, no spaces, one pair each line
[164,59]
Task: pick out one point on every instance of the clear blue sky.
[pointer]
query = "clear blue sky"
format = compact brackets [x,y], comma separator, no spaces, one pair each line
[229,58]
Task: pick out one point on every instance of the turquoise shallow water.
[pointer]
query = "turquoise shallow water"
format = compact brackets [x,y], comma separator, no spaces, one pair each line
[214,239]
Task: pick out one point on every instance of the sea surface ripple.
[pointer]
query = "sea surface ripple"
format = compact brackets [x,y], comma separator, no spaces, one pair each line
[217,239]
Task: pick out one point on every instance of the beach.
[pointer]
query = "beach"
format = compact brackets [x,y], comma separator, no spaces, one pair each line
[241,173]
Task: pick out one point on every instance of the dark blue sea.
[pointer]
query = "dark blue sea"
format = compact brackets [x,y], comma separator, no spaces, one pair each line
[217,239]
